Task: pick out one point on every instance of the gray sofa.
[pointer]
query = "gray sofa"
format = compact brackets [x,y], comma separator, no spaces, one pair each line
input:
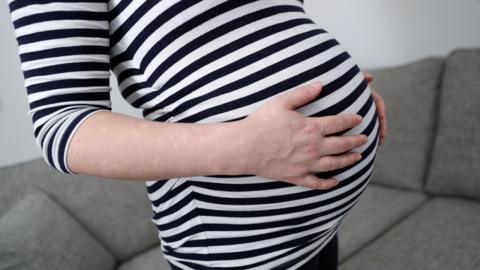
[421,210]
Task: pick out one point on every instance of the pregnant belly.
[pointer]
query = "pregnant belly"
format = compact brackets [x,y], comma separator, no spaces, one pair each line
[234,86]
[251,207]
[248,206]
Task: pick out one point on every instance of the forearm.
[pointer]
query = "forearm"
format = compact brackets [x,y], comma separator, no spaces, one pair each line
[117,146]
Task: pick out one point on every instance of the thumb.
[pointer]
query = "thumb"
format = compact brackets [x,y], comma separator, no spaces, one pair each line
[301,95]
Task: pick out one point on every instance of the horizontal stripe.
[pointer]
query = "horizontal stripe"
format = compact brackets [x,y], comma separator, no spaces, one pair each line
[201,61]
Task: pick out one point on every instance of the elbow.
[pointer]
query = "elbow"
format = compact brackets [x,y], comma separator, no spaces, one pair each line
[66,76]
[54,132]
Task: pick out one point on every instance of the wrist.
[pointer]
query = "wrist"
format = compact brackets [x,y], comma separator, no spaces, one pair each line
[239,153]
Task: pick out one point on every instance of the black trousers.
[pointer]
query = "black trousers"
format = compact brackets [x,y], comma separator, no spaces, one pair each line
[326,259]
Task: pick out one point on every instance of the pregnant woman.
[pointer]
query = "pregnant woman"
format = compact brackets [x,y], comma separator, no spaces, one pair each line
[248,165]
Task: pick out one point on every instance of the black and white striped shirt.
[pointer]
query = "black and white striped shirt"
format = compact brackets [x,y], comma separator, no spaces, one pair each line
[200,61]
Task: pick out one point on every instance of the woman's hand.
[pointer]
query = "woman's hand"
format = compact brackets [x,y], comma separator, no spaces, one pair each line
[290,146]
[380,104]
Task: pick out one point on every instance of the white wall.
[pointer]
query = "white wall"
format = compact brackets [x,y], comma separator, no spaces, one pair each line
[377,33]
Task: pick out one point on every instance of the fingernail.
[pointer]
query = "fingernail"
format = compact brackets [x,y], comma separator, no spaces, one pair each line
[316,84]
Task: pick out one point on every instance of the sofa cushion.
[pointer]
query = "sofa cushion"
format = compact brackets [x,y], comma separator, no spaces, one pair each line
[37,232]
[117,213]
[377,210]
[444,233]
[10,261]
[151,259]
[455,168]
[410,94]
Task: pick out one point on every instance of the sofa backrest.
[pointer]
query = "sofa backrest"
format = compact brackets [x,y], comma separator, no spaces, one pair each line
[117,213]
[410,93]
[455,167]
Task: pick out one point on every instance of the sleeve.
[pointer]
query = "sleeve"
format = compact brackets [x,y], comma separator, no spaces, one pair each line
[63,48]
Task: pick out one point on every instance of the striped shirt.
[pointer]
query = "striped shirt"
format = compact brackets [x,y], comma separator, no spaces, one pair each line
[200,61]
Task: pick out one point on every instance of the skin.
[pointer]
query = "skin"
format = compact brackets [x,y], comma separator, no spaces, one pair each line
[275,142]
[380,104]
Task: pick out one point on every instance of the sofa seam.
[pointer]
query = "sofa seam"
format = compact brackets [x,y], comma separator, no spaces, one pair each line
[437,118]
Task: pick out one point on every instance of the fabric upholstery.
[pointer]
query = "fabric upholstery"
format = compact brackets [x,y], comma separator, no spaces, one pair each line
[151,259]
[443,234]
[38,234]
[410,94]
[395,225]
[455,168]
[115,212]
[377,210]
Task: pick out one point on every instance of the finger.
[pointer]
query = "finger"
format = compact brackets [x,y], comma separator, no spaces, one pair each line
[368,76]
[300,95]
[311,181]
[335,123]
[385,127]
[330,163]
[340,144]
[381,137]
[383,123]
[379,103]
[381,107]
